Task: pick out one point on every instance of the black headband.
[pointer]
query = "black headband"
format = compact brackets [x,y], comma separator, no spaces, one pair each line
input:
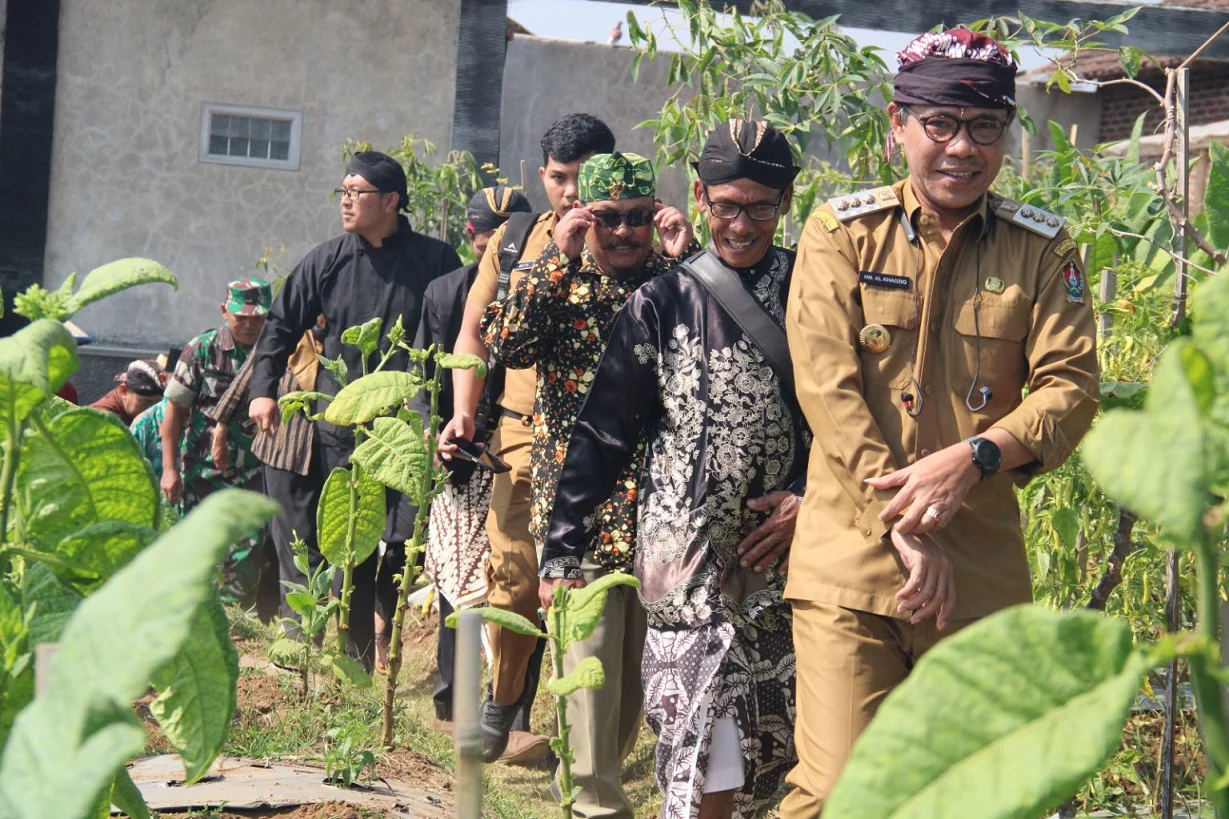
[956,81]
[747,150]
[382,171]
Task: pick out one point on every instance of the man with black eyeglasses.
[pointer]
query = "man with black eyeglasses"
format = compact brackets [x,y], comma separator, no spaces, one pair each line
[696,377]
[557,319]
[379,267]
[919,316]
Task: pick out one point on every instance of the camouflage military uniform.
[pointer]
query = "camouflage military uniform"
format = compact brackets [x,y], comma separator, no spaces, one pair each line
[205,370]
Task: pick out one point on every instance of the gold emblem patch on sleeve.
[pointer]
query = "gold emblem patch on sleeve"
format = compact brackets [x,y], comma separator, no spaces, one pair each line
[828,220]
[1064,247]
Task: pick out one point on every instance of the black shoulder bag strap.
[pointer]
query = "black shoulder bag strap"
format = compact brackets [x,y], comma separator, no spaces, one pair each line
[723,284]
[512,245]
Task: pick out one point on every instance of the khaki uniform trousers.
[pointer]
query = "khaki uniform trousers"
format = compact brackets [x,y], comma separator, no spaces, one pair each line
[848,662]
[606,721]
[512,573]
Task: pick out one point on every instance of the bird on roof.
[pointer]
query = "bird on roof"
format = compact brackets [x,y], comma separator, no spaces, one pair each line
[616,34]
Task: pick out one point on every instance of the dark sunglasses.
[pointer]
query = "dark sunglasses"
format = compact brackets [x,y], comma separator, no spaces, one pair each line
[611,219]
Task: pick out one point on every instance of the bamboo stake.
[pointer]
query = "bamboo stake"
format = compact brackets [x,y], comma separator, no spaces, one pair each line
[1026,154]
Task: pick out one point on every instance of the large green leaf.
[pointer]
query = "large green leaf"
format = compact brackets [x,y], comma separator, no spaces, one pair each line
[196,691]
[16,662]
[395,456]
[333,515]
[462,361]
[365,336]
[119,275]
[66,746]
[585,606]
[370,397]
[1216,195]
[51,600]
[35,362]
[127,797]
[102,549]
[85,469]
[1153,461]
[588,674]
[1000,721]
[345,669]
[503,618]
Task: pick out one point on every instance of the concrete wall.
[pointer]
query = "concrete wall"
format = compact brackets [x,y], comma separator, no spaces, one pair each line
[1079,108]
[133,75]
[545,79]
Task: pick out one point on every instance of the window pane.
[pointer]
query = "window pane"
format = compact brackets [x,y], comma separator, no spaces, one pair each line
[238,146]
[217,145]
[281,131]
[259,149]
[243,124]
[260,128]
[219,125]
[279,150]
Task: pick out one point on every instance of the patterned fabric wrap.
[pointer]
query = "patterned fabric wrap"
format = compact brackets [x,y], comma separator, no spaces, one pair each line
[956,67]
[616,176]
[457,544]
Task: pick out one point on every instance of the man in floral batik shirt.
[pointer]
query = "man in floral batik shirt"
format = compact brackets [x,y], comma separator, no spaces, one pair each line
[557,318]
[718,491]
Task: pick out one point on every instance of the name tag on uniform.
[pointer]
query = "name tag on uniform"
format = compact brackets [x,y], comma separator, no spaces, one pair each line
[884,280]
[523,266]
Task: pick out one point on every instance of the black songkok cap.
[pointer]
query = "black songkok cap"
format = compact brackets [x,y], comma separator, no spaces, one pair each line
[747,150]
[490,207]
[383,172]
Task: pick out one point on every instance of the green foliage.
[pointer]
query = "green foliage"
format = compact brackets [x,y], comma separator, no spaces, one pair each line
[503,618]
[66,746]
[367,398]
[1005,694]
[350,523]
[58,305]
[588,673]
[583,607]
[395,455]
[35,362]
[344,762]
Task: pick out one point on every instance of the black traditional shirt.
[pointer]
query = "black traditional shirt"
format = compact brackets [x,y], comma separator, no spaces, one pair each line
[350,281]
[557,319]
[721,427]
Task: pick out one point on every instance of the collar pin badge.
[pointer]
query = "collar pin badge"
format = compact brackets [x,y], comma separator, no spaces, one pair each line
[995,285]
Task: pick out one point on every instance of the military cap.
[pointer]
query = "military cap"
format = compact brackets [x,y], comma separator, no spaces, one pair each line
[249,297]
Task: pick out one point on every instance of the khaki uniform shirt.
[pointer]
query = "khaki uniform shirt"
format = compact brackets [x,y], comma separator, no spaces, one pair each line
[1005,302]
[519,385]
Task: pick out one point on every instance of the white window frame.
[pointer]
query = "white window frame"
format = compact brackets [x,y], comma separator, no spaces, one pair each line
[290,163]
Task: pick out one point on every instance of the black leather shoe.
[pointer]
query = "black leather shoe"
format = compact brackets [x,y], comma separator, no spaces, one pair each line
[494,726]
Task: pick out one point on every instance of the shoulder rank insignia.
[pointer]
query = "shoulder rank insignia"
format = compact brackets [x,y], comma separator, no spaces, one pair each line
[859,204]
[1030,217]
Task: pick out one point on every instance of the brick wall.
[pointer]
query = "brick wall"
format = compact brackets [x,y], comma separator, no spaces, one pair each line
[1122,104]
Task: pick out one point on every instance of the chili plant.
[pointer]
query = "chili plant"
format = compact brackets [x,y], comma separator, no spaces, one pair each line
[84,566]
[572,617]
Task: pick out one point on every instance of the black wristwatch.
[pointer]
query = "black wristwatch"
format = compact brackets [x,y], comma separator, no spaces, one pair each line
[987,456]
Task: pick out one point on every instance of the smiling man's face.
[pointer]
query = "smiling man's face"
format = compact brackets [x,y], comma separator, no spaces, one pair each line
[950,177]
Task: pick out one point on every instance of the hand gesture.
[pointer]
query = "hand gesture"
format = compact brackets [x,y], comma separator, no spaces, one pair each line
[931,588]
[673,228]
[461,426]
[931,490]
[771,539]
[569,234]
[265,413]
[171,483]
[546,589]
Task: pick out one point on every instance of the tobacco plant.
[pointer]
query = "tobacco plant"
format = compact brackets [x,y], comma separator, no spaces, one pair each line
[82,564]
[572,617]
[394,448]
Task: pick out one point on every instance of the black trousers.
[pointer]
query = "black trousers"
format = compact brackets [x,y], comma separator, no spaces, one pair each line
[446,657]
[372,587]
[299,495]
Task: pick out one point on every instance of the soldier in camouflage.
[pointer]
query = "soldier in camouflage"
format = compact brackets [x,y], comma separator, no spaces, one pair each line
[205,370]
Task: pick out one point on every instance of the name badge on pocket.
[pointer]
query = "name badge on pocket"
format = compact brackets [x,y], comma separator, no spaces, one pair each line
[884,280]
[521,267]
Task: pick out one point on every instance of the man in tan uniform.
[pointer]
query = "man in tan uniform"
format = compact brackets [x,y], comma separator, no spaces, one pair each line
[918,316]
[513,571]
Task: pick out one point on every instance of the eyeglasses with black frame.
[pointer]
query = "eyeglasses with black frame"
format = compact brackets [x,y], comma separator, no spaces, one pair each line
[984,130]
[611,219]
[756,211]
[354,193]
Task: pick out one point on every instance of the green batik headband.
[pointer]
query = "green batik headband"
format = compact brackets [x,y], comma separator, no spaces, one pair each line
[616,176]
